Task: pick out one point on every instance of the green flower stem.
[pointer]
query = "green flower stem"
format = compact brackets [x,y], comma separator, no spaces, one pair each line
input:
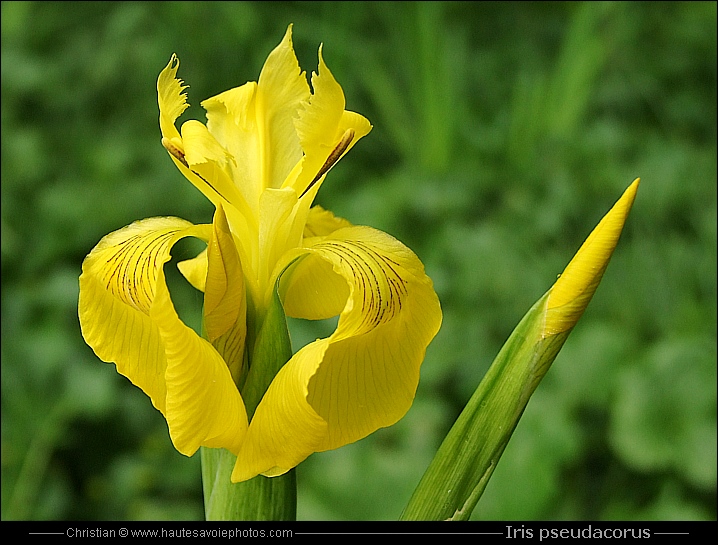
[261,498]
[461,469]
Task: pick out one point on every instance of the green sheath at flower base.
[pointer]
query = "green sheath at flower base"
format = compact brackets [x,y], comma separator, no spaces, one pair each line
[456,478]
[259,498]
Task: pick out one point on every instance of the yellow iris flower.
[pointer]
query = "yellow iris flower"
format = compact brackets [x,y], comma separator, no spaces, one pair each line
[260,159]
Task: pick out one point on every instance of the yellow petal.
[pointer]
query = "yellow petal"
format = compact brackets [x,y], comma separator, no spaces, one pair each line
[321,222]
[280,230]
[196,153]
[224,298]
[572,292]
[195,270]
[281,91]
[127,317]
[338,390]
[117,287]
[225,304]
[300,429]
[204,407]
[230,111]
[172,101]
[207,165]
[318,120]
[313,290]
[201,146]
[321,125]
[232,121]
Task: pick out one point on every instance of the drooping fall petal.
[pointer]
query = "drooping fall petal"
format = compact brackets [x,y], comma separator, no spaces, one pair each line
[203,407]
[314,291]
[127,317]
[340,389]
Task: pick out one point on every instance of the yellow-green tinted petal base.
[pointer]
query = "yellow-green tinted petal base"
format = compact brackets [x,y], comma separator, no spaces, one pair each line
[259,498]
[461,469]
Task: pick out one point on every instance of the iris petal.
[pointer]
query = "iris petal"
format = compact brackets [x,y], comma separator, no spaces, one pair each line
[321,124]
[282,89]
[172,101]
[232,121]
[203,407]
[127,317]
[340,389]
[321,222]
[313,290]
[225,303]
[195,270]
[224,297]
[285,429]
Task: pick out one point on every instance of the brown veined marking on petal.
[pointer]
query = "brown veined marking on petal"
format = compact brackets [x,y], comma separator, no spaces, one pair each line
[377,307]
[401,283]
[397,285]
[372,314]
[126,274]
[334,156]
[360,275]
[180,156]
[357,271]
[128,267]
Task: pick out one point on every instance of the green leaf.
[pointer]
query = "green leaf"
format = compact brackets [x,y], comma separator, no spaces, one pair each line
[461,469]
[456,478]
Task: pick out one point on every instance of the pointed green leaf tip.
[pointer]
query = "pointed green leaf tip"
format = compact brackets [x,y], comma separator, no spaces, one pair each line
[461,469]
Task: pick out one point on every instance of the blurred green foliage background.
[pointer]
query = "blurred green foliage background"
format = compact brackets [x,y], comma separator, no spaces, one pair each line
[502,133]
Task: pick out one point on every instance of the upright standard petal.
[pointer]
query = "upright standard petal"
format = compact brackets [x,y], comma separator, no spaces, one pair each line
[127,317]
[364,377]
[282,89]
[325,129]
[171,100]
[195,152]
[231,119]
